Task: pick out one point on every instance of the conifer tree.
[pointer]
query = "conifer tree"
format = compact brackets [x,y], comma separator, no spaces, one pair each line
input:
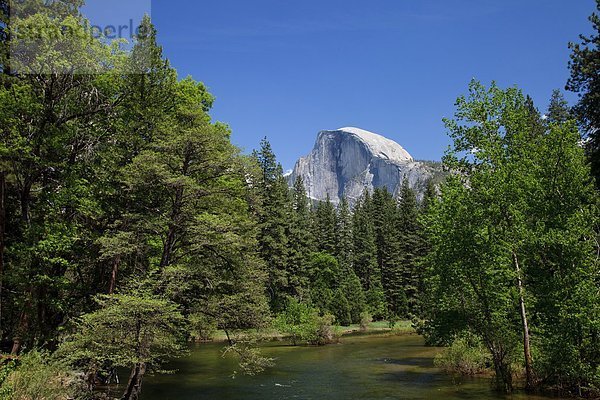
[558,110]
[299,239]
[273,224]
[585,81]
[353,291]
[411,246]
[386,217]
[344,234]
[349,283]
[324,226]
[365,255]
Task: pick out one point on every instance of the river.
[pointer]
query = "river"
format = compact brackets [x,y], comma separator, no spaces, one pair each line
[360,367]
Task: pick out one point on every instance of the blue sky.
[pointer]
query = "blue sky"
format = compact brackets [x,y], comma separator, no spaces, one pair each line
[287,69]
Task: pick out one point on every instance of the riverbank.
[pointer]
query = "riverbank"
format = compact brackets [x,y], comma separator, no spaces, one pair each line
[374,328]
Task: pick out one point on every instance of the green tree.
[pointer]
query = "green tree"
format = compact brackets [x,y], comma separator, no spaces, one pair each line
[411,247]
[138,331]
[273,224]
[324,226]
[325,274]
[388,228]
[49,136]
[585,81]
[512,223]
[353,291]
[300,239]
[303,324]
[365,255]
[558,110]
[343,236]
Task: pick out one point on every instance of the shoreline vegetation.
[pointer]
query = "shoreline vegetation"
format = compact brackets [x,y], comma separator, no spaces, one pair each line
[374,328]
[130,223]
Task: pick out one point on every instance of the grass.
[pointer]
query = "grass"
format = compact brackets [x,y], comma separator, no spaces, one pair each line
[375,328]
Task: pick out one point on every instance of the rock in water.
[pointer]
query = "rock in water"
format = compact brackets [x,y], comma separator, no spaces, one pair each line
[348,161]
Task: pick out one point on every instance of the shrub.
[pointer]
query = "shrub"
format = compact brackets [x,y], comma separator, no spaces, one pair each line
[365,321]
[466,356]
[6,370]
[325,333]
[303,324]
[38,377]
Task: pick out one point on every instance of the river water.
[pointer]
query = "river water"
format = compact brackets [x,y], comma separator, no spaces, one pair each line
[360,367]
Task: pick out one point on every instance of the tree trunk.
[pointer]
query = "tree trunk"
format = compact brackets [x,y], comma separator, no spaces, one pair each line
[18,340]
[526,341]
[25,203]
[503,373]
[172,232]
[23,326]
[165,260]
[113,275]
[134,385]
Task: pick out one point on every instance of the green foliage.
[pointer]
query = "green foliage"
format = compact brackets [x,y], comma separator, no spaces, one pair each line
[466,355]
[298,320]
[365,255]
[126,330]
[559,111]
[344,246]
[202,327]
[585,81]
[304,325]
[38,376]
[340,306]
[6,369]
[324,227]
[365,320]
[301,241]
[388,228]
[512,239]
[251,362]
[273,224]
[355,296]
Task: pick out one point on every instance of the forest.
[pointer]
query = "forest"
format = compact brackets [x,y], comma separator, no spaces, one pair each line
[130,226]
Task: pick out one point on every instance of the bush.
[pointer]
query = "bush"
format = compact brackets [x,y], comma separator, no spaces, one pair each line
[365,321]
[6,370]
[467,356]
[325,333]
[303,324]
[38,377]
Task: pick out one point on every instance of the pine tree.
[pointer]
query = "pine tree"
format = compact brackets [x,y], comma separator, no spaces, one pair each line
[343,232]
[558,110]
[273,224]
[353,291]
[324,226]
[585,81]
[299,239]
[429,197]
[365,256]
[411,246]
[386,217]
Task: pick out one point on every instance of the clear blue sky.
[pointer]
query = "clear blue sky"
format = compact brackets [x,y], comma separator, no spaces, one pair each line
[287,69]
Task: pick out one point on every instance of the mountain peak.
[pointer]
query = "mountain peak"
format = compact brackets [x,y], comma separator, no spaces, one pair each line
[379,145]
[347,161]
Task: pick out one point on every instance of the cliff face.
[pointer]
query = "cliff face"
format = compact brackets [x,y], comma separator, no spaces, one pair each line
[347,161]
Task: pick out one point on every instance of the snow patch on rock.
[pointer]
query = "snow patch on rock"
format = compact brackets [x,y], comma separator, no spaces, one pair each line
[379,145]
